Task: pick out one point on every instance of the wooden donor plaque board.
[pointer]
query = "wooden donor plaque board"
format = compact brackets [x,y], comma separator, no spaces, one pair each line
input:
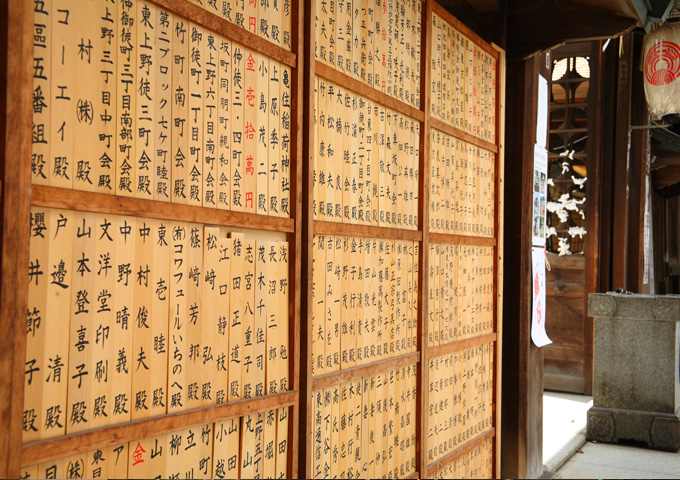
[404,244]
[253,446]
[163,266]
[252,253]
[135,100]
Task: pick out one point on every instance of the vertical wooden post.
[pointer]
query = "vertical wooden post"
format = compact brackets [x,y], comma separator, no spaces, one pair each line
[522,408]
[620,206]
[498,257]
[16,49]
[305,217]
[424,225]
[297,241]
[593,204]
[637,172]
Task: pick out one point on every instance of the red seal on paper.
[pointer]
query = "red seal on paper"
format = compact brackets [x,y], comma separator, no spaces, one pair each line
[662,65]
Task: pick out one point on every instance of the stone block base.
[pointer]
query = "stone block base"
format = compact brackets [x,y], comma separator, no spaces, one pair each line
[660,431]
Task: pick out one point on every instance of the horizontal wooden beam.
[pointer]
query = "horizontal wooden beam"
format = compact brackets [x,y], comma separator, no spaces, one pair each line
[462,240]
[360,88]
[457,346]
[367,231]
[460,134]
[435,467]
[53,197]
[337,378]
[46,450]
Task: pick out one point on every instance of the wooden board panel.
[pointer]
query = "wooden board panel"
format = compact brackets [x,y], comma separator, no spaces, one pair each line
[390,199]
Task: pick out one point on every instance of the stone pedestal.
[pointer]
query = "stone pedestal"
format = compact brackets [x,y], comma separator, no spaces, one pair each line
[636,377]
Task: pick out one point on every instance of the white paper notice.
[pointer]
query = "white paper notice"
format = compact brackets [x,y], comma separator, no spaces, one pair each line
[539,192]
[542,118]
[538,334]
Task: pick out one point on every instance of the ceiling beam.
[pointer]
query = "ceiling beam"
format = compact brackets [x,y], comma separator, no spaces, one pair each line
[484,6]
[652,11]
[660,10]
[538,25]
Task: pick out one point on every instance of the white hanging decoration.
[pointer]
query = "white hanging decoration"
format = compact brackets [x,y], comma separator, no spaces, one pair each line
[569,154]
[550,182]
[563,247]
[565,167]
[550,231]
[574,231]
[571,203]
[558,209]
[579,182]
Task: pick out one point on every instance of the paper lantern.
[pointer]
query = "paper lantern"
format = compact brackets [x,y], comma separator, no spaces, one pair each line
[662,70]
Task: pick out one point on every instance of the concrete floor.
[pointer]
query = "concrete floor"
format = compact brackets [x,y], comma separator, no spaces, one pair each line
[566,454]
[564,427]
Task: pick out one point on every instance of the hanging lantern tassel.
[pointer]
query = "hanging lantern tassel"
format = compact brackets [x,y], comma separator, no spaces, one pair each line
[662,70]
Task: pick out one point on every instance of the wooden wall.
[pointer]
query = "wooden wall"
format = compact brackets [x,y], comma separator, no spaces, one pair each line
[254,239]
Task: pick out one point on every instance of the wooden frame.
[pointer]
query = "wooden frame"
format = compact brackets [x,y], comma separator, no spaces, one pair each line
[422,235]
[19,196]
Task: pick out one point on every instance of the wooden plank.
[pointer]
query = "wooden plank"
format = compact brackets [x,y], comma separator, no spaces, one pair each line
[146,459]
[195,63]
[81,338]
[559,289]
[62,123]
[122,360]
[289,138]
[250,134]
[565,276]
[180,111]
[126,77]
[177,327]
[352,230]
[83,201]
[462,135]
[57,313]
[210,118]
[236,306]
[226,452]
[236,129]
[145,114]
[224,155]
[337,378]
[563,353]
[263,134]
[345,81]
[282,273]
[43,39]
[164,60]
[214,305]
[35,332]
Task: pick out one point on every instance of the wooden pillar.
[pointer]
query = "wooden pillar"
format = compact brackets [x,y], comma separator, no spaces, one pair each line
[15,19]
[522,409]
[637,172]
[620,165]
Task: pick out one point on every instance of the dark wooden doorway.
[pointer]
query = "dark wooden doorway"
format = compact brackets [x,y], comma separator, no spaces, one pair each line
[571,142]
